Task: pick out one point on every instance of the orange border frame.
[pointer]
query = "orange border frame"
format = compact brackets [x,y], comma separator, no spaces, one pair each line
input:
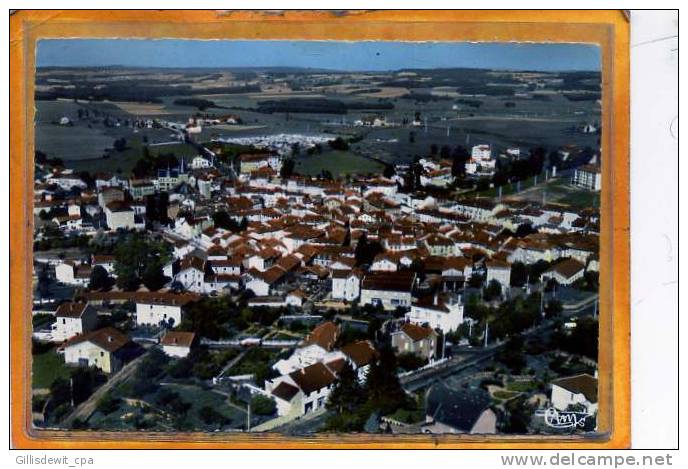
[608,28]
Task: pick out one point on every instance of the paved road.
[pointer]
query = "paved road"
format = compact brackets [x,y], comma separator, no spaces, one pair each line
[309,424]
[84,410]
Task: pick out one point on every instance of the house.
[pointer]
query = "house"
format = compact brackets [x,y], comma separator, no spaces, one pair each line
[73,319]
[466,410]
[106,349]
[265,283]
[360,356]
[324,335]
[110,194]
[346,284]
[177,343]
[105,261]
[165,308]
[140,188]
[191,274]
[578,390]
[564,272]
[295,298]
[73,273]
[418,340]
[439,311]
[302,391]
[388,289]
[118,215]
[588,177]
[499,271]
[442,246]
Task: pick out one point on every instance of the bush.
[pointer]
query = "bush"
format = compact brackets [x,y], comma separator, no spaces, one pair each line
[262,405]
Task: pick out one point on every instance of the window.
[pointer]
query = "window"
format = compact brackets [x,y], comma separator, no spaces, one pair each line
[102,354]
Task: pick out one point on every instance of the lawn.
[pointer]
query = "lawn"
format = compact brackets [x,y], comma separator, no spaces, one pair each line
[47,367]
[521,386]
[339,163]
[505,394]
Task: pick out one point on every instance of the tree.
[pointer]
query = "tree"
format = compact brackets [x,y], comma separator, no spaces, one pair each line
[519,274]
[388,172]
[212,417]
[100,280]
[346,400]
[339,144]
[366,251]
[382,385]
[120,144]
[512,354]
[492,290]
[137,256]
[153,277]
[262,405]
[288,167]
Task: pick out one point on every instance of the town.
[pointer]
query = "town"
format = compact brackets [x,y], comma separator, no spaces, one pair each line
[224,288]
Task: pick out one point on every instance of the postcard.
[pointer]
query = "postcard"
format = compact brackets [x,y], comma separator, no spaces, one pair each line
[318,238]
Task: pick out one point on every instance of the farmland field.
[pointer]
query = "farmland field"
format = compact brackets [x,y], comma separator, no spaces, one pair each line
[339,163]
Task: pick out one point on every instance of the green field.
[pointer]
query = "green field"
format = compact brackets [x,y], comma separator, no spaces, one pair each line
[557,191]
[339,163]
[47,367]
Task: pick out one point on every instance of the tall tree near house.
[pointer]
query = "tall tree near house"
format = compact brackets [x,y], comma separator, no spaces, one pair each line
[346,400]
[100,280]
[382,386]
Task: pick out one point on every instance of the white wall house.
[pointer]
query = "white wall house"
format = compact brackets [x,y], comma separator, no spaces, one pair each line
[177,344]
[443,312]
[153,313]
[97,349]
[119,215]
[346,285]
[388,289]
[73,319]
[575,390]
[499,271]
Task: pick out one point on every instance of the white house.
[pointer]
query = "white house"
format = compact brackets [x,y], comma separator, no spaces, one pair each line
[104,349]
[443,312]
[578,390]
[153,312]
[346,285]
[119,215]
[388,289]
[73,319]
[200,163]
[565,272]
[191,274]
[499,271]
[588,177]
[73,273]
[302,391]
[177,344]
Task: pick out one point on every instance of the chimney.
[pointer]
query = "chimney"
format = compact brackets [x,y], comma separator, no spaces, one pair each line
[110,339]
[434,300]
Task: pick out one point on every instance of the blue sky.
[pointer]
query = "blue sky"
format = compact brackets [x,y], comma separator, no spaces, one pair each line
[372,56]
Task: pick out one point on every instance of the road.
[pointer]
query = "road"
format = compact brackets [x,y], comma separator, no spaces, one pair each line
[84,410]
[309,424]
[460,365]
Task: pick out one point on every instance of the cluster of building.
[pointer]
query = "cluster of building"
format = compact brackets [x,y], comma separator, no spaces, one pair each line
[300,242]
